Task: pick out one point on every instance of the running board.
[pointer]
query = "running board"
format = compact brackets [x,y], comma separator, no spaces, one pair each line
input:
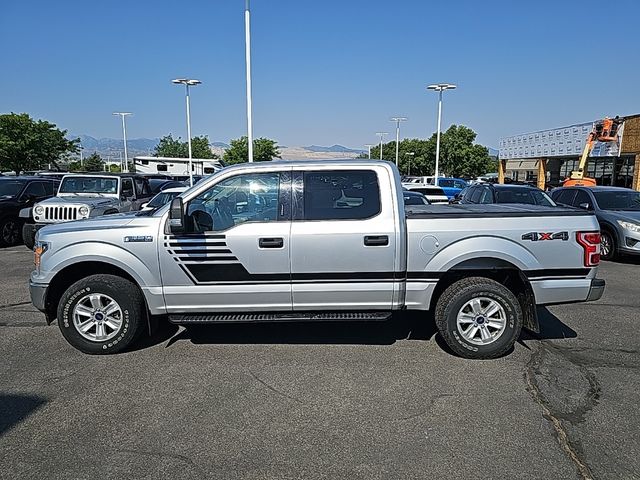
[195,318]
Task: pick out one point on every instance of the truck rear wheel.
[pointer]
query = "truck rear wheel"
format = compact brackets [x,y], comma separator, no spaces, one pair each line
[479,318]
[101,314]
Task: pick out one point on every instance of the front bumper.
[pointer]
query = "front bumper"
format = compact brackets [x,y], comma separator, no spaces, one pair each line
[38,293]
[596,290]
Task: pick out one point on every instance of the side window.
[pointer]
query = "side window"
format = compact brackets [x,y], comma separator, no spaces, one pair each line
[142,187]
[487,195]
[474,195]
[127,187]
[35,189]
[460,184]
[565,197]
[341,195]
[445,183]
[251,197]
[50,188]
[582,197]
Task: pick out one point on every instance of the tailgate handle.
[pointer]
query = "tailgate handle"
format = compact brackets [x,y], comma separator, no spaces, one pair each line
[376,240]
[271,242]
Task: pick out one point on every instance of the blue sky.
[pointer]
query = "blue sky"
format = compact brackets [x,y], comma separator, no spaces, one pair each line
[330,71]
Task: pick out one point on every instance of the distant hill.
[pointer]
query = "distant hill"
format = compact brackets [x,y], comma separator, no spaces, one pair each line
[333,149]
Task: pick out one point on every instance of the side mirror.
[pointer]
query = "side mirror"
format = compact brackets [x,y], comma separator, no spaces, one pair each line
[585,206]
[176,216]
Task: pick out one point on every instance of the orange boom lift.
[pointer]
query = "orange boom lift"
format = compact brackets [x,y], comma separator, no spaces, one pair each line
[603,131]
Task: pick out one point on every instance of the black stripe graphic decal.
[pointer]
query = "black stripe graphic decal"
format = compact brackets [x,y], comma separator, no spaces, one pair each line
[558,272]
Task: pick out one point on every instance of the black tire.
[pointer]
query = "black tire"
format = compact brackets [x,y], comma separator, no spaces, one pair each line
[453,300]
[132,315]
[10,232]
[28,235]
[608,245]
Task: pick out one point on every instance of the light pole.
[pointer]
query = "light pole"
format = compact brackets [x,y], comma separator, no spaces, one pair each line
[81,158]
[439,87]
[188,82]
[247,37]
[398,120]
[410,155]
[124,136]
[381,134]
[369,145]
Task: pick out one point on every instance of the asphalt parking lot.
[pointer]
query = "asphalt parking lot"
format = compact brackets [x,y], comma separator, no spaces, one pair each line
[353,401]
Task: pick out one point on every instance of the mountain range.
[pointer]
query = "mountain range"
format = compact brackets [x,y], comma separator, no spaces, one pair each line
[112,147]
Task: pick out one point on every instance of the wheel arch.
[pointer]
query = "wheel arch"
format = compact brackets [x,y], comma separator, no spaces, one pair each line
[499,270]
[77,271]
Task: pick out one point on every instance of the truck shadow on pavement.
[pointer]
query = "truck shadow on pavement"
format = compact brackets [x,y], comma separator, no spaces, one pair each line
[15,408]
[405,325]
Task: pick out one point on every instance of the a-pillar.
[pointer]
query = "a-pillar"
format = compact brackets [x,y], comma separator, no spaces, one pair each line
[542,173]
[502,168]
[636,174]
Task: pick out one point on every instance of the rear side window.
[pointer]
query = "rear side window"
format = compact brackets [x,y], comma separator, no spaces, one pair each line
[341,195]
[582,197]
[565,197]
[445,183]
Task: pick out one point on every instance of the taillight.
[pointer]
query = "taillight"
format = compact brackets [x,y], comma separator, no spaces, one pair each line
[590,242]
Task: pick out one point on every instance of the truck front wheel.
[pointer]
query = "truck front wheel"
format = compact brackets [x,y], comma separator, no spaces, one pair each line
[479,318]
[101,314]
[29,235]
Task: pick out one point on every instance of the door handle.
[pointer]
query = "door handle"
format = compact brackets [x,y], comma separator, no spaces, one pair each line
[376,240]
[271,242]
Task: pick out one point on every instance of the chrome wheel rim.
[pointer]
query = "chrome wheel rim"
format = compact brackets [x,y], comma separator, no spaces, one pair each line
[605,245]
[97,317]
[481,321]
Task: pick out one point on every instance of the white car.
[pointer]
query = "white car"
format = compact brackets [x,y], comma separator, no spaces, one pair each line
[162,198]
[434,194]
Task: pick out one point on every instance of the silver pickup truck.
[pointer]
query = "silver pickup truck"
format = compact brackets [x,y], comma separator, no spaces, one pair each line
[314,241]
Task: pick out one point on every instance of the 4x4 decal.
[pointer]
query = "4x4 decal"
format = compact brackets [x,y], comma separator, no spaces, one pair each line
[540,236]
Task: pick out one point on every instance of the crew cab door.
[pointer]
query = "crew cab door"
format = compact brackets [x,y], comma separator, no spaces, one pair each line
[343,240]
[234,255]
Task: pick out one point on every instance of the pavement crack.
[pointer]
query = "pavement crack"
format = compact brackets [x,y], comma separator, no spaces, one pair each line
[561,432]
[19,304]
[274,389]
[160,454]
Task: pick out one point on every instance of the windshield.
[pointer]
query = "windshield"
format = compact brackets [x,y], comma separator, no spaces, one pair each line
[89,185]
[618,200]
[10,188]
[523,195]
[162,198]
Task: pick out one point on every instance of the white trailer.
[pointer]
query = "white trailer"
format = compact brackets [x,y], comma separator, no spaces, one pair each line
[176,166]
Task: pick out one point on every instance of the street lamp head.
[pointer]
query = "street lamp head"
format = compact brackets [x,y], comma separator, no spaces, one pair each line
[382,134]
[398,119]
[411,154]
[123,114]
[439,87]
[186,81]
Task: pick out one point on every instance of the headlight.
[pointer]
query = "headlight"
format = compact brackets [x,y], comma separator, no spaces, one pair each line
[38,250]
[38,210]
[634,227]
[83,211]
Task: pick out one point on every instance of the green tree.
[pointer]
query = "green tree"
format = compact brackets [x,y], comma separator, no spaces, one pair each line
[27,144]
[459,155]
[93,163]
[264,149]
[176,148]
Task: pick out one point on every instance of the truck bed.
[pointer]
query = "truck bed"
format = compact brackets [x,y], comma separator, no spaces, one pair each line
[491,211]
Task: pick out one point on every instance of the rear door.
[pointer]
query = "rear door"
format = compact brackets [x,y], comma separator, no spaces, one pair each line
[343,240]
[234,255]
